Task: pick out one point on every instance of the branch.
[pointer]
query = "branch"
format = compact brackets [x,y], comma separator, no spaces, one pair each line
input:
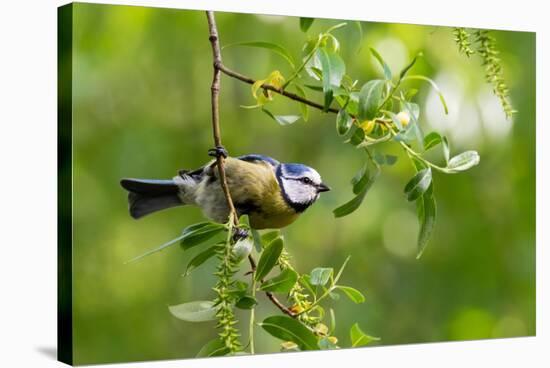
[215,94]
[269,294]
[280,91]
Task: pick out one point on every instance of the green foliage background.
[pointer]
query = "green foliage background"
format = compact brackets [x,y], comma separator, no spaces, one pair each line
[142,109]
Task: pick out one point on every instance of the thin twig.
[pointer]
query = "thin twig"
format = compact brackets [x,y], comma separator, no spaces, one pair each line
[269,294]
[280,91]
[215,94]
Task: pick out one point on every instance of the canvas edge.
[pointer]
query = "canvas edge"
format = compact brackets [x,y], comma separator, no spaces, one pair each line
[64,184]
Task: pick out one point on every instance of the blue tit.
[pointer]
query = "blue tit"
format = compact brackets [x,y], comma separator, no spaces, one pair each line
[271,193]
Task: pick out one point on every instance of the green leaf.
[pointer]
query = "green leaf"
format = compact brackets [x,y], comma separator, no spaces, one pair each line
[427,212]
[257,240]
[333,69]
[269,258]
[412,109]
[303,107]
[414,112]
[278,49]
[382,159]
[238,290]
[353,294]
[246,302]
[332,321]
[357,137]
[410,94]
[354,204]
[407,135]
[341,270]
[434,86]
[418,164]
[314,88]
[335,27]
[198,311]
[312,63]
[244,221]
[319,276]
[269,237]
[361,179]
[343,122]
[390,159]
[213,348]
[370,98]
[289,329]
[194,234]
[350,206]
[158,249]
[305,281]
[463,161]
[418,184]
[446,150]
[405,70]
[199,233]
[305,23]
[282,119]
[358,40]
[199,259]
[359,338]
[383,64]
[281,283]
[350,102]
[431,140]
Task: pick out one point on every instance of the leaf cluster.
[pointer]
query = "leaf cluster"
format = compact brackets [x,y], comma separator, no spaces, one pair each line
[373,112]
[306,329]
[485,46]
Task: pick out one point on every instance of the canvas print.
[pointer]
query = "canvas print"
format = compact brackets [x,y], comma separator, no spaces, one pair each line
[240,184]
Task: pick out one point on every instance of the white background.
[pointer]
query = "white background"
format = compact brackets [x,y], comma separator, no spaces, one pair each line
[28,181]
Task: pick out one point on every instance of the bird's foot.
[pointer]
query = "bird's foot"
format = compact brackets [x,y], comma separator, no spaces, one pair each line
[239,234]
[218,151]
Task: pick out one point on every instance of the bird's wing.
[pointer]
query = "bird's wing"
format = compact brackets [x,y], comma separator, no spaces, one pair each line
[259,158]
[252,158]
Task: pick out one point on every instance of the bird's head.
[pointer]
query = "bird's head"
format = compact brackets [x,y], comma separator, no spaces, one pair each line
[300,185]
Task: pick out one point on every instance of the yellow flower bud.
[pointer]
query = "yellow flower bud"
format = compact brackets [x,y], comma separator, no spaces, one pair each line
[367,126]
[333,339]
[321,329]
[296,309]
[403,118]
[288,345]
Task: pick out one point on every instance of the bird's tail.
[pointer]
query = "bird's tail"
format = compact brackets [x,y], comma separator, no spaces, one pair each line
[148,196]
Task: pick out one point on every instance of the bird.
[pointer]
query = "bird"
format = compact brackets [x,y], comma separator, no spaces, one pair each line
[271,193]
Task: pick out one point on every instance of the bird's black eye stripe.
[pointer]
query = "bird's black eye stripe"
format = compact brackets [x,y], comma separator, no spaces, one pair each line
[304,180]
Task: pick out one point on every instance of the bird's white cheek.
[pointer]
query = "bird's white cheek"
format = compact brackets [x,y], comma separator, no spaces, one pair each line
[300,193]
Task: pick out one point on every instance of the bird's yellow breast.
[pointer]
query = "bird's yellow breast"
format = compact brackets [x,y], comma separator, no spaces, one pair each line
[255,191]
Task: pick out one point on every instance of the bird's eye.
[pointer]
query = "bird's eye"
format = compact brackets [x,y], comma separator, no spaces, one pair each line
[306,180]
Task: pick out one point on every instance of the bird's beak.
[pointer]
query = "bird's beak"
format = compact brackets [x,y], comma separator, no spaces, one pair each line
[322,188]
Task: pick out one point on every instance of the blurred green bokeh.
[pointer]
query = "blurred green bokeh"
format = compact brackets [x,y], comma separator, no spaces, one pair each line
[141,84]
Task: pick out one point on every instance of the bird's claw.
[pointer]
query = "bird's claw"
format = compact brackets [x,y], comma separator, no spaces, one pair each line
[218,151]
[239,234]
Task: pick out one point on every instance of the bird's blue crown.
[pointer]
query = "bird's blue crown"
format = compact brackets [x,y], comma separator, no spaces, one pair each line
[295,170]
